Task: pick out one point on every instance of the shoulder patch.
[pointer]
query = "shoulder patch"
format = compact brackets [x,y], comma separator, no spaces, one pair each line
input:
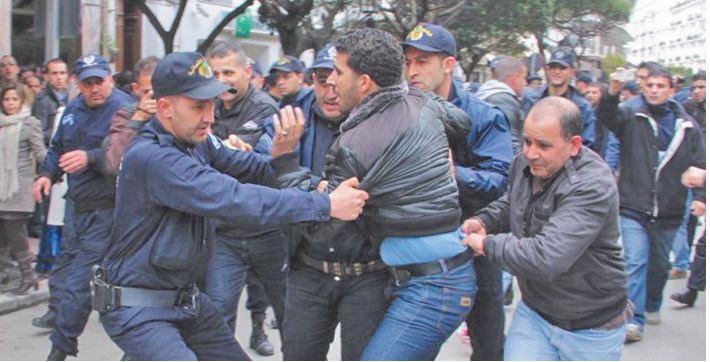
[250,125]
[68,120]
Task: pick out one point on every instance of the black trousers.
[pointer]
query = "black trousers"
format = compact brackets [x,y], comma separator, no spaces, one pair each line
[486,321]
[316,302]
[697,268]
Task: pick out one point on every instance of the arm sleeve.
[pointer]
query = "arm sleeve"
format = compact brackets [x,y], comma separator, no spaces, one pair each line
[120,134]
[50,165]
[37,140]
[247,167]
[609,113]
[590,119]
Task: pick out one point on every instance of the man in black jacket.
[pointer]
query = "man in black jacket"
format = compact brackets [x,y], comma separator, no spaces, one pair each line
[395,141]
[557,230]
[658,142]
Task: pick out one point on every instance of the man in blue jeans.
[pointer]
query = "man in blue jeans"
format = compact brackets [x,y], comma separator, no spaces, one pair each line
[557,229]
[658,142]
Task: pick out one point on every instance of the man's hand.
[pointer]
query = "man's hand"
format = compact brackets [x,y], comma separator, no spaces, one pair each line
[346,202]
[475,242]
[40,187]
[322,186]
[74,161]
[236,143]
[693,177]
[147,106]
[287,131]
[473,226]
[697,208]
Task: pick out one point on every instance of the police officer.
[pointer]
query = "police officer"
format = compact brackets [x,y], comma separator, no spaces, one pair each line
[174,179]
[481,168]
[249,254]
[76,149]
[287,75]
[323,287]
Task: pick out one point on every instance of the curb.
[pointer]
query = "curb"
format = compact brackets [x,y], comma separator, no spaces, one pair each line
[10,303]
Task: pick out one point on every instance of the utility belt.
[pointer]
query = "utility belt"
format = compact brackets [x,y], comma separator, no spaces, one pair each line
[402,273]
[340,269]
[106,297]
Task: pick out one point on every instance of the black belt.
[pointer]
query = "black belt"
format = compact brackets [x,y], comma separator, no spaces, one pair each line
[340,269]
[402,273]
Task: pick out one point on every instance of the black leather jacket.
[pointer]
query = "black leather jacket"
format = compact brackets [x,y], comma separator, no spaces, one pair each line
[395,142]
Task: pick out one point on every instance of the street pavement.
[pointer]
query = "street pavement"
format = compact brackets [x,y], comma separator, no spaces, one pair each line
[680,336]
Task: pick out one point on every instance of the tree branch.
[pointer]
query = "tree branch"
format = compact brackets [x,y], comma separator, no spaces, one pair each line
[218,29]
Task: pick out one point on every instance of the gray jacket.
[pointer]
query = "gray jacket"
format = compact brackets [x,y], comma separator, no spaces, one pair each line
[31,149]
[562,242]
[502,96]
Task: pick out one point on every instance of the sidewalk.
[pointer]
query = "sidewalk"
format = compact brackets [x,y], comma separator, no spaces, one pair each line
[10,303]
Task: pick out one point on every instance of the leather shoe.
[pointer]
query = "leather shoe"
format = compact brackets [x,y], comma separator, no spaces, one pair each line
[686,297]
[56,354]
[46,321]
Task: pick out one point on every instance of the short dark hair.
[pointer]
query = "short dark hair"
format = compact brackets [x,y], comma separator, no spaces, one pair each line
[54,60]
[661,73]
[650,66]
[507,66]
[145,66]
[224,49]
[567,112]
[699,76]
[375,53]
[599,85]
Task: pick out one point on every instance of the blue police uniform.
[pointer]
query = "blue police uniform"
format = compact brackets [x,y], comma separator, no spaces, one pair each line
[167,193]
[91,193]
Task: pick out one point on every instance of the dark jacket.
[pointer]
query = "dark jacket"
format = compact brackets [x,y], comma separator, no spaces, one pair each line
[84,128]
[482,162]
[45,108]
[696,110]
[246,118]
[351,243]
[562,243]
[502,96]
[121,132]
[589,118]
[395,143]
[167,194]
[648,185]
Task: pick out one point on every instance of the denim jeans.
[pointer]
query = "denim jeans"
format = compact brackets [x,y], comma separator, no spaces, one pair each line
[232,258]
[681,248]
[92,237]
[531,337]
[316,302]
[486,321]
[173,334]
[257,301]
[425,311]
[646,251]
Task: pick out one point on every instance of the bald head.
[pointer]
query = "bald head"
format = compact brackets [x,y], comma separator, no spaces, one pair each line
[563,110]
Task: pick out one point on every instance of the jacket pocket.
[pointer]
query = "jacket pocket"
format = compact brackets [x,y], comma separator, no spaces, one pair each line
[178,239]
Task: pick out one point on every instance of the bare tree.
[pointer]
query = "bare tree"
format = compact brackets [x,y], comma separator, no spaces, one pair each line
[285,16]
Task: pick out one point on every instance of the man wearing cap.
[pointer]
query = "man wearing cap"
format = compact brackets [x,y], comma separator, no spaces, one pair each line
[76,150]
[323,287]
[244,254]
[582,82]
[174,179]
[560,70]
[257,76]
[287,73]
[481,170]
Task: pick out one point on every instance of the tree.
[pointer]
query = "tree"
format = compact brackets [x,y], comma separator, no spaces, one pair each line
[168,35]
[612,61]
[319,27]
[285,16]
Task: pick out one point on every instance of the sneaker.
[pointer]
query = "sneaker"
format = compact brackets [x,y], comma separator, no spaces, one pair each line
[677,274]
[653,318]
[633,333]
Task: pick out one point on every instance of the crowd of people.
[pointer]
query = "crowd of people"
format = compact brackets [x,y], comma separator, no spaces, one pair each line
[373,191]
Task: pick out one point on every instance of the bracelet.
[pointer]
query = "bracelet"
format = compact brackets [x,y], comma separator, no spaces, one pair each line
[146,112]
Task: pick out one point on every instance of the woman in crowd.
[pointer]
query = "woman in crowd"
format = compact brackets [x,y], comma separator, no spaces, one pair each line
[21,146]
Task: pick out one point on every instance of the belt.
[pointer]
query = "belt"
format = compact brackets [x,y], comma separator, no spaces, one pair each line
[340,269]
[402,273]
[106,297]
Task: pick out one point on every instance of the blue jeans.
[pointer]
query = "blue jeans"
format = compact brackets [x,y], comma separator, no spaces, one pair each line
[92,237]
[425,311]
[646,251]
[232,259]
[173,334]
[681,249]
[531,337]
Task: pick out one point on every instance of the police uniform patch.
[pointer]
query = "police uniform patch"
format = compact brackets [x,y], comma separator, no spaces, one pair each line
[283,60]
[68,120]
[559,54]
[418,32]
[89,60]
[200,66]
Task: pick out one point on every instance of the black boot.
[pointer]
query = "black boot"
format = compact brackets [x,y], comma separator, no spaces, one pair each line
[29,278]
[259,341]
[4,263]
[46,321]
[56,354]
[686,297]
